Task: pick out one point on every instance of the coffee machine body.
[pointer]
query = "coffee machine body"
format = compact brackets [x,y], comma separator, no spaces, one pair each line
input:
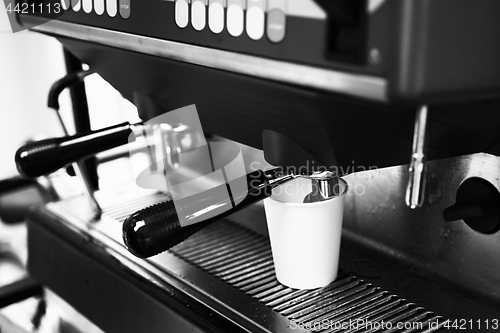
[400,98]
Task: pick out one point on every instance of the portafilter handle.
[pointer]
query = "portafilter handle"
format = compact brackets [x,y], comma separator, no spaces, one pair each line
[46,156]
[155,229]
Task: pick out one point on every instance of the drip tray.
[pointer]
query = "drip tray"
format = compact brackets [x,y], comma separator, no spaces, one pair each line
[244,261]
[221,279]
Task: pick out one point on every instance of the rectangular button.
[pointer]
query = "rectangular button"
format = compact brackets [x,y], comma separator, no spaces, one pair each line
[76,5]
[276,20]
[87,6]
[181,13]
[198,14]
[112,7]
[255,18]
[66,4]
[124,6]
[216,15]
[235,17]
[99,7]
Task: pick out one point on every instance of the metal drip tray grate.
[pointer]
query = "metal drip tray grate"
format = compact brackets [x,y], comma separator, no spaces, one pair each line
[243,259]
[122,210]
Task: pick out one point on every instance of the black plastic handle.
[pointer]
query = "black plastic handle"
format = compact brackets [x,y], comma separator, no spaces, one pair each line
[156,229]
[43,157]
[19,291]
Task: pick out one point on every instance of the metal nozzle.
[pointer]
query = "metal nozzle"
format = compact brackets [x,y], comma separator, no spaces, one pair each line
[319,175]
[417,171]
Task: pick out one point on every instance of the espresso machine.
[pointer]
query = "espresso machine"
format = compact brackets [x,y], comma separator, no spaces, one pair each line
[400,98]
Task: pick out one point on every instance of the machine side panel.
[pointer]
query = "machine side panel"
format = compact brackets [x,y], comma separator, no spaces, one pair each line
[445,50]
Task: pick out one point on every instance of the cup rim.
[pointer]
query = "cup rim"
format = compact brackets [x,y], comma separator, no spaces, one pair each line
[309,204]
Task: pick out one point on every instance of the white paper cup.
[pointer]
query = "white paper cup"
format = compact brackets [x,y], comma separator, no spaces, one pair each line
[305,237]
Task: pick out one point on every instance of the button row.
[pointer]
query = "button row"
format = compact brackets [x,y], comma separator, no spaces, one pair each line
[111,6]
[235,21]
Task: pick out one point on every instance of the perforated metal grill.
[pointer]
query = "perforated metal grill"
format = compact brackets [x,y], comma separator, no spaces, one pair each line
[122,210]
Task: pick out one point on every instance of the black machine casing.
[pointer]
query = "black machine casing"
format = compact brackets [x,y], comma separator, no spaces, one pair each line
[345,89]
[404,54]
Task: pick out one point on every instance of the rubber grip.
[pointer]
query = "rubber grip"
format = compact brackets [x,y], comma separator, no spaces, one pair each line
[156,229]
[39,158]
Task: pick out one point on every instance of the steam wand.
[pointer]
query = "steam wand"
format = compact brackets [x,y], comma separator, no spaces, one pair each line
[78,166]
[415,191]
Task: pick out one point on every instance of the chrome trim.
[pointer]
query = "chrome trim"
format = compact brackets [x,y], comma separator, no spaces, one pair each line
[370,87]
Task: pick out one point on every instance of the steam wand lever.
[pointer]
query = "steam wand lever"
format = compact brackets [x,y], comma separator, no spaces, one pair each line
[79,166]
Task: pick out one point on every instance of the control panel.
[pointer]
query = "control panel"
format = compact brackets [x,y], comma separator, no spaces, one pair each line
[375,49]
[304,31]
[99,7]
[236,16]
